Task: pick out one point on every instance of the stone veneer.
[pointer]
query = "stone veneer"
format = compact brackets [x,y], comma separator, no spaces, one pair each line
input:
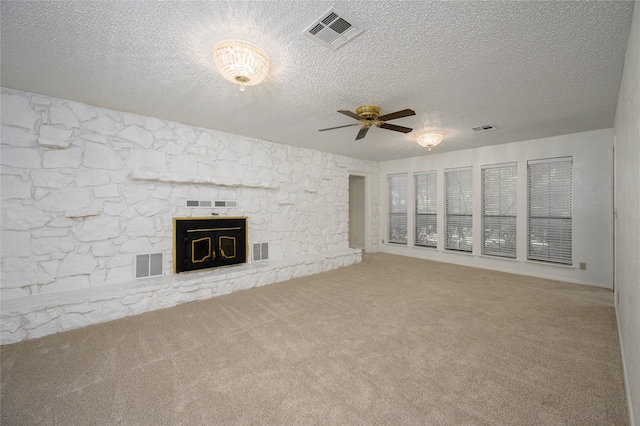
[86,189]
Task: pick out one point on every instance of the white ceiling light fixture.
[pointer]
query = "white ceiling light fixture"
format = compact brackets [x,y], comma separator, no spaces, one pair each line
[241,62]
[429,138]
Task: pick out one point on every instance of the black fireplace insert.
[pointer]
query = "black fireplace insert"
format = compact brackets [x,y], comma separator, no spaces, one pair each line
[208,242]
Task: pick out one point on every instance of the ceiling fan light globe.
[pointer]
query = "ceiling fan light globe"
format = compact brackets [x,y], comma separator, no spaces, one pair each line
[429,139]
[241,62]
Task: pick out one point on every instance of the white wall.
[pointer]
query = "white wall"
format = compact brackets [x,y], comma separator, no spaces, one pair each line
[627,242]
[85,189]
[592,209]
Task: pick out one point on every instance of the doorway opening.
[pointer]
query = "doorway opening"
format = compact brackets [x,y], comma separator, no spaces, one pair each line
[357,212]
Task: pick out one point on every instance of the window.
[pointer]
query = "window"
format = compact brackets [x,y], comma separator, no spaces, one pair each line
[458,207]
[426,209]
[550,210]
[499,210]
[398,208]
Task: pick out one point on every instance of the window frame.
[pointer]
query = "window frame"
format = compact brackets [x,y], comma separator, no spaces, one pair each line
[458,192]
[499,210]
[398,214]
[550,210]
[425,209]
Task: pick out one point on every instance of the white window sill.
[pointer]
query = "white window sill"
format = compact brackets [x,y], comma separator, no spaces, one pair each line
[425,248]
[508,259]
[463,253]
[555,265]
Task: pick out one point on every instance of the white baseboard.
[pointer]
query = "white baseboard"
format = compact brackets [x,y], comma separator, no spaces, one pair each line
[625,376]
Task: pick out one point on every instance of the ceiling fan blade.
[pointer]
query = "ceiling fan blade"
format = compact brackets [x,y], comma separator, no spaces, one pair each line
[362,133]
[395,128]
[350,114]
[340,127]
[397,114]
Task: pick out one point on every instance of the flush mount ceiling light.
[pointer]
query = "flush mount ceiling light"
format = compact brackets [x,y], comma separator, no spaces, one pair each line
[429,138]
[241,62]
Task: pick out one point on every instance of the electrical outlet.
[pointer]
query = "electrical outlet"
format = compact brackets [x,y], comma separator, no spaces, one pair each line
[583,266]
[382,241]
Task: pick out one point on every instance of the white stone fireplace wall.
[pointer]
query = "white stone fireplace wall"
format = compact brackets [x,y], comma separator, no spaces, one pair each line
[86,189]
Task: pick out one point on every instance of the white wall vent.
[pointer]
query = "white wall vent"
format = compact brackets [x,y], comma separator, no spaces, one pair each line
[198,203]
[218,203]
[225,204]
[484,128]
[333,29]
[149,265]
[260,251]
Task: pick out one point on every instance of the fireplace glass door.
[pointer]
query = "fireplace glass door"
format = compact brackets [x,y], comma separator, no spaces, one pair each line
[202,243]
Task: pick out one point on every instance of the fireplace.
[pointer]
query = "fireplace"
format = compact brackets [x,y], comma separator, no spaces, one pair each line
[208,242]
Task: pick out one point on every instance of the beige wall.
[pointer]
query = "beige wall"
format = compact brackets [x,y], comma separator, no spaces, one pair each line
[627,223]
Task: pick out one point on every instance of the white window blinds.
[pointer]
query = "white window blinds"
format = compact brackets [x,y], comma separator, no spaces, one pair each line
[458,208]
[425,209]
[550,210]
[499,210]
[398,208]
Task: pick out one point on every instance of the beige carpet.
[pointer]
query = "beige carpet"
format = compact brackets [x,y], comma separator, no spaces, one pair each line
[392,341]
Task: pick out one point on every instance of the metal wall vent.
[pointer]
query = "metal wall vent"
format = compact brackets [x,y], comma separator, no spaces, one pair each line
[219,203]
[197,203]
[260,251]
[225,204]
[149,265]
[333,29]
[484,128]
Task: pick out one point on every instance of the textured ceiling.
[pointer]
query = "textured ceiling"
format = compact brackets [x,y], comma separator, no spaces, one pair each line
[531,68]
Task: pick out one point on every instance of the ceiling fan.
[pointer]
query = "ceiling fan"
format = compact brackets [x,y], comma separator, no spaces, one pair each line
[369,115]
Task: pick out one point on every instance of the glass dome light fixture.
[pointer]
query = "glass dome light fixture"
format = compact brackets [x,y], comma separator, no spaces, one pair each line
[429,138]
[241,62]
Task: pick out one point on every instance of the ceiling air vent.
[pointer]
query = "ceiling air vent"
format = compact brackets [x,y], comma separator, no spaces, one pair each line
[484,128]
[333,29]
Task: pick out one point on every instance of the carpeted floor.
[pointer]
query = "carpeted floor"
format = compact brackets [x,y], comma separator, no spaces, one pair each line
[393,341]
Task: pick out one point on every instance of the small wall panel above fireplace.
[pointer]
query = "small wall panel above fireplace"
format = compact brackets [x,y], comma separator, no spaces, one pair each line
[203,243]
[208,203]
[222,203]
[198,203]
